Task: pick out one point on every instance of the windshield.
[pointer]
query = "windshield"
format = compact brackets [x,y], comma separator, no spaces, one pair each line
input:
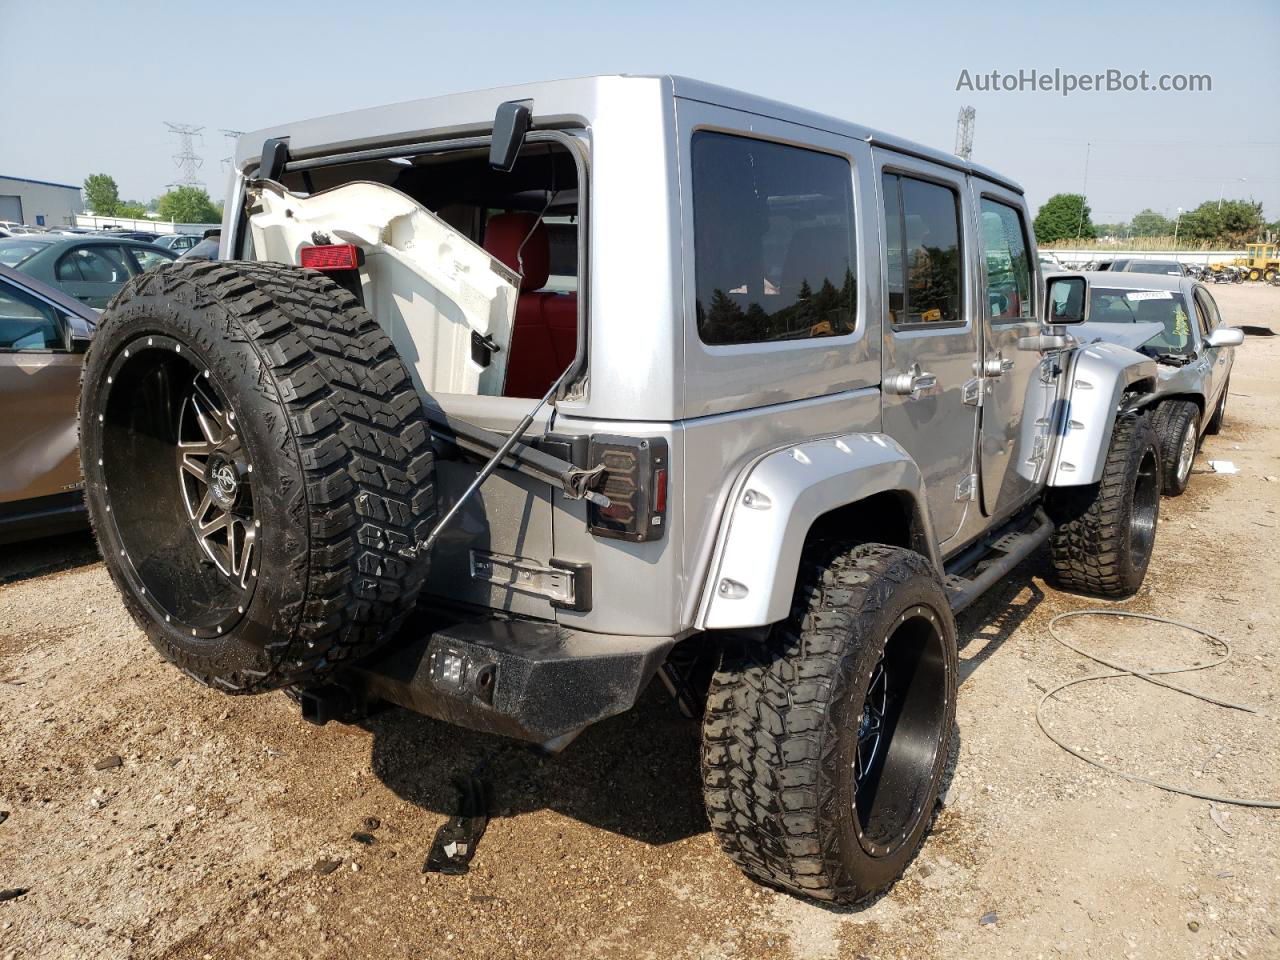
[1145,306]
[14,252]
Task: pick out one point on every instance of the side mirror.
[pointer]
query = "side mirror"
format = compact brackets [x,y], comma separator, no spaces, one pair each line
[510,124]
[74,340]
[1226,337]
[1066,301]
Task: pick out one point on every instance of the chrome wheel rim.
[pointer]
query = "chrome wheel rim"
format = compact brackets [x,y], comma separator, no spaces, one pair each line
[1187,454]
[213,471]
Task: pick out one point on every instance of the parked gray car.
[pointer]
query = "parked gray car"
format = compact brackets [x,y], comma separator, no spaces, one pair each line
[614,378]
[91,269]
[1176,321]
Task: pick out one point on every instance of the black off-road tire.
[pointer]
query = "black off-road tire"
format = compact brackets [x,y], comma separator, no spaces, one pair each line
[784,719]
[1177,425]
[1104,532]
[336,462]
[1219,417]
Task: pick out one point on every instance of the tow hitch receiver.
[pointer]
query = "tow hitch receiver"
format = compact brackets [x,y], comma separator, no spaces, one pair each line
[526,679]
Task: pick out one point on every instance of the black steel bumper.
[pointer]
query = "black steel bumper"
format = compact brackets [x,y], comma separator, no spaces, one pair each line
[524,679]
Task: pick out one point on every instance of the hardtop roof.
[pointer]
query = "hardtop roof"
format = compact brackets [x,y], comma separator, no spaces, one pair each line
[562,102]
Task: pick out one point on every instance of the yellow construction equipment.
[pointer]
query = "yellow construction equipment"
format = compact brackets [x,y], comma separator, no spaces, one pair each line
[1262,260]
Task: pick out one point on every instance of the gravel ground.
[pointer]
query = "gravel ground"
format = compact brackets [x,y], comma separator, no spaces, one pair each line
[150,817]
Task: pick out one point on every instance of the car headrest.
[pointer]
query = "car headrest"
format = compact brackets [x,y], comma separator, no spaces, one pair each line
[503,235]
[1155,311]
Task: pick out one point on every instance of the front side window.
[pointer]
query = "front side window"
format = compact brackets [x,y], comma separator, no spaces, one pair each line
[922,251]
[774,246]
[27,323]
[1008,263]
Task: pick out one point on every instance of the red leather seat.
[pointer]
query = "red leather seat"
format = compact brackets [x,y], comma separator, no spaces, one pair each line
[545,336]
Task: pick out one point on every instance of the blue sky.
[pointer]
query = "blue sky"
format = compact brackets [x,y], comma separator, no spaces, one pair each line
[90,83]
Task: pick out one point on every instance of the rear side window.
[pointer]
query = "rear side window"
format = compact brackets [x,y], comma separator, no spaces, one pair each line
[774,246]
[922,249]
[1007,262]
[97,264]
[1208,312]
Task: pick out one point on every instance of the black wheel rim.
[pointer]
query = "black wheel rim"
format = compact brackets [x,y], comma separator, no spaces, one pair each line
[1146,506]
[178,487]
[900,732]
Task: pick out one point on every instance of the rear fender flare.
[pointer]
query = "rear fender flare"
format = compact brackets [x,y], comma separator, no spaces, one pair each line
[773,507]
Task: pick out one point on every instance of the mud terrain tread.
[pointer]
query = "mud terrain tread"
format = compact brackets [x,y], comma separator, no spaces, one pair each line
[767,731]
[1091,521]
[364,446]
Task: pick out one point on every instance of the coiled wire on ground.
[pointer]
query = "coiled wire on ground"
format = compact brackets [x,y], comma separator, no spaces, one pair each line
[1151,676]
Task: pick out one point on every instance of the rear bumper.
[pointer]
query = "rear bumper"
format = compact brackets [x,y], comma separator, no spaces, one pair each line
[518,678]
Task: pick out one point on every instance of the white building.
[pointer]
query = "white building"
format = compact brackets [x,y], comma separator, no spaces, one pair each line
[38,203]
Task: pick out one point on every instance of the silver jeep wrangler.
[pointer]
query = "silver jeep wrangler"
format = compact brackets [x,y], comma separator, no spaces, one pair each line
[499,405]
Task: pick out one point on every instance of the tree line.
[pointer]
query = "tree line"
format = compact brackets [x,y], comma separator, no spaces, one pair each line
[181,204]
[1228,223]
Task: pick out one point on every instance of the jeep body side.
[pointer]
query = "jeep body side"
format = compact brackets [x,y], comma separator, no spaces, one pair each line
[602,378]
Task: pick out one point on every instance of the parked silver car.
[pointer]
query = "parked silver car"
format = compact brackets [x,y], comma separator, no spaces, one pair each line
[1176,321]
[619,377]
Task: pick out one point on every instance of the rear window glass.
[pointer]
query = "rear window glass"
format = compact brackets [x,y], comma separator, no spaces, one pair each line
[14,252]
[1154,266]
[773,241]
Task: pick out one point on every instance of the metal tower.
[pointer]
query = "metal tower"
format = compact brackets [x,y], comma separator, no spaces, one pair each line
[233,136]
[187,160]
[964,132]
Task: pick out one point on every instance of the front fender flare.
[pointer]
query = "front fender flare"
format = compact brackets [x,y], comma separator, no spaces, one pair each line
[773,506]
[1101,374]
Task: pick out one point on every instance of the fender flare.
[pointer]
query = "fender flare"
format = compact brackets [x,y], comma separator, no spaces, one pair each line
[1101,374]
[773,506]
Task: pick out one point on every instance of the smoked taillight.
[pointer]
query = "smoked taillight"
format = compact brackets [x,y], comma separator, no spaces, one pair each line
[635,481]
[331,256]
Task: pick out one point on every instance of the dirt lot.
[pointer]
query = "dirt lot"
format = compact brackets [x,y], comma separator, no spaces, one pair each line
[203,840]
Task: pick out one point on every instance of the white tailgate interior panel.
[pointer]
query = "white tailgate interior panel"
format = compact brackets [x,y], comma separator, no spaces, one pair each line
[428,285]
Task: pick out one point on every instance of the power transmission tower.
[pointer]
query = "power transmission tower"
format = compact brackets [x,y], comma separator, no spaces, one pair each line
[964,132]
[233,136]
[187,160]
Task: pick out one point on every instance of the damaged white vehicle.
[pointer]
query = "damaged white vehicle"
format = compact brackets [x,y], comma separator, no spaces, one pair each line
[499,406]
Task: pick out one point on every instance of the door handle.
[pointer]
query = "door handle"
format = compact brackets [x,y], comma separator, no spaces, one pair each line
[996,366]
[914,383]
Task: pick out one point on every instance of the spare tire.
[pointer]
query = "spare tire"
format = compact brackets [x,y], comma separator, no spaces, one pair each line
[258,470]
